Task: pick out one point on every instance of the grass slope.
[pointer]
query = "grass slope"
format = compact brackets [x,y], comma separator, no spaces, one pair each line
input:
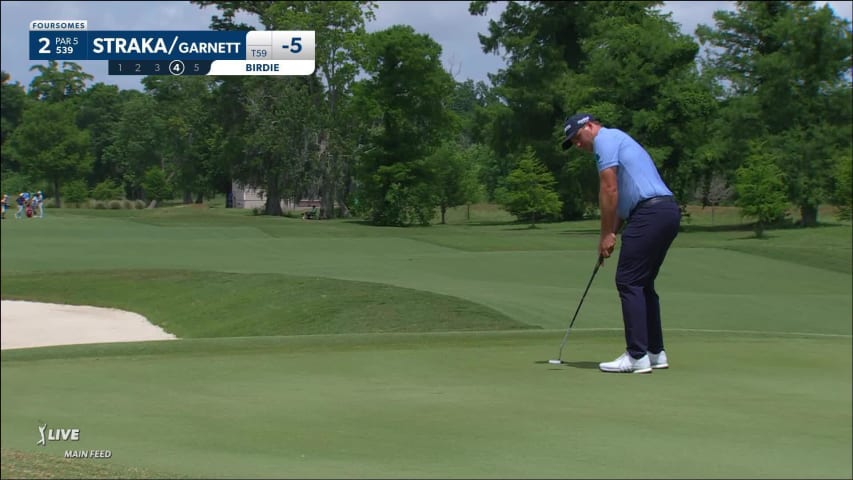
[210,304]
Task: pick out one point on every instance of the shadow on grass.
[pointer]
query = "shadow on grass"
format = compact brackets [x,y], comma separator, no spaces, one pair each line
[583,365]
[750,227]
[483,223]
[581,231]
[717,228]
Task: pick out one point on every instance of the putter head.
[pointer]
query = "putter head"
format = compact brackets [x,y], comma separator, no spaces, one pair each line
[555,362]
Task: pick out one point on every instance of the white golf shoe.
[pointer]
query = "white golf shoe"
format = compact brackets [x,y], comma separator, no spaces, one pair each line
[658,360]
[627,364]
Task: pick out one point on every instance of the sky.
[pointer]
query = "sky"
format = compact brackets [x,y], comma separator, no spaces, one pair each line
[447,22]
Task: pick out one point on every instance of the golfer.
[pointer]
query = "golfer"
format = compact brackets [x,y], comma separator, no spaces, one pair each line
[631,190]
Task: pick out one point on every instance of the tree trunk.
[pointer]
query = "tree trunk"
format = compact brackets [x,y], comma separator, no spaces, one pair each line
[328,200]
[809,215]
[199,198]
[56,194]
[443,211]
[188,197]
[273,206]
[344,209]
[759,229]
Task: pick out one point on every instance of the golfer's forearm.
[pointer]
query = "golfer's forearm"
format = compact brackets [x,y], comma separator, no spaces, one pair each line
[607,200]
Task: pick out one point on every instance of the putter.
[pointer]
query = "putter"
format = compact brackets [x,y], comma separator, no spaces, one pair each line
[559,359]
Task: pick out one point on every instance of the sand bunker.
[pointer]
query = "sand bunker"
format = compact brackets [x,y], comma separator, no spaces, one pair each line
[32,324]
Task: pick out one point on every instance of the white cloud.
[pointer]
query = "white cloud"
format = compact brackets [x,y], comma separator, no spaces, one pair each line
[690,14]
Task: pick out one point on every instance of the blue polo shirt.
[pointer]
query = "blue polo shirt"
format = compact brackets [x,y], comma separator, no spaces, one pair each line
[637,176]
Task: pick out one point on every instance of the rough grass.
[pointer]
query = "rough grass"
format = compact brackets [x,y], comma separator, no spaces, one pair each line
[19,464]
[211,304]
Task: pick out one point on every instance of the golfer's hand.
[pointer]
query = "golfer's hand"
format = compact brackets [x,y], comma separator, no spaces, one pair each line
[606,245]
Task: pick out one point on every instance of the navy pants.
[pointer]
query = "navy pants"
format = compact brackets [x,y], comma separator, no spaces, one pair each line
[645,240]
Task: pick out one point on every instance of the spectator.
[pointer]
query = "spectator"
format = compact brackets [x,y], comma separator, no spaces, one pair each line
[20,202]
[5,206]
[40,197]
[35,204]
[310,215]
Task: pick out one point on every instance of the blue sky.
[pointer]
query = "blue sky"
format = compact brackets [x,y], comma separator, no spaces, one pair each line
[448,23]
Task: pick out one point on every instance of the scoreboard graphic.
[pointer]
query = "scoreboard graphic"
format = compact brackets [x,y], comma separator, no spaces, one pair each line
[176,52]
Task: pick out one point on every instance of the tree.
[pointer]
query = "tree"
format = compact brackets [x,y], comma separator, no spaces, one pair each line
[641,77]
[281,147]
[455,176]
[55,85]
[761,189]
[623,61]
[339,33]
[99,109]
[541,43]
[405,100]
[12,103]
[528,192]
[136,142]
[185,106]
[49,145]
[713,191]
[787,64]
[467,103]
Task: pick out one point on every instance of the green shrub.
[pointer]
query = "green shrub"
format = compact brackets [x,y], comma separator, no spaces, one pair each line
[156,185]
[115,204]
[75,192]
[14,183]
[842,195]
[528,191]
[760,187]
[107,190]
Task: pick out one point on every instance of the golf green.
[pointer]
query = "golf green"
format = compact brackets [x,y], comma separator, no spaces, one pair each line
[472,405]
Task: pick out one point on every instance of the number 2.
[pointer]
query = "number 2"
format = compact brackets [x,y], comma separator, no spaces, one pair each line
[46,47]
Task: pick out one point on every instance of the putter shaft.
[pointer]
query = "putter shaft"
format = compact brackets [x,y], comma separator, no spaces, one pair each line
[566,336]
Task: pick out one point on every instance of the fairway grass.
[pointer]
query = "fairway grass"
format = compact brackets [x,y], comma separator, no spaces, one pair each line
[338,350]
[473,405]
